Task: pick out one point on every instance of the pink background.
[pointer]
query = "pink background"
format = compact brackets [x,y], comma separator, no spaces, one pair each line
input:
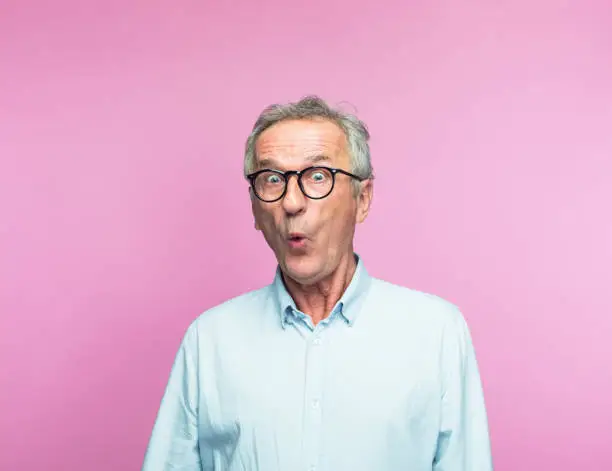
[492,142]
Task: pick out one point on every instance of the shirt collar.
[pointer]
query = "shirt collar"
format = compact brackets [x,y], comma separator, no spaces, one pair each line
[348,306]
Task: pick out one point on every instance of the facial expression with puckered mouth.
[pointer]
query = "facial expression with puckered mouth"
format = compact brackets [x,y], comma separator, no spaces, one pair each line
[309,237]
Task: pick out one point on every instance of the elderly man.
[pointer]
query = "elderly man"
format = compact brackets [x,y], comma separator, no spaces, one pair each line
[327,368]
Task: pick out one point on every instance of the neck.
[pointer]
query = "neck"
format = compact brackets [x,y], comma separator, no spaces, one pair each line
[318,300]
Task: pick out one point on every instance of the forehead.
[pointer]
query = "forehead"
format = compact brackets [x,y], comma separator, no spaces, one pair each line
[291,143]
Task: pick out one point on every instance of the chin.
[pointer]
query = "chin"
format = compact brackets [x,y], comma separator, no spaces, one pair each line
[303,269]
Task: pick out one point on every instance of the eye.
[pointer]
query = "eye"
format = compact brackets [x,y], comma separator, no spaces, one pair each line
[273,179]
[318,176]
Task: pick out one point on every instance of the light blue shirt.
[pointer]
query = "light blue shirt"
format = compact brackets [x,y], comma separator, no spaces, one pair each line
[388,382]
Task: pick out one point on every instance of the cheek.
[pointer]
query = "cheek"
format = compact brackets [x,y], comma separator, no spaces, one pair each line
[339,223]
[267,220]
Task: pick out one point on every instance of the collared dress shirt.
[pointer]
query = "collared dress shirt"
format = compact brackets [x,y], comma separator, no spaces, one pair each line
[387,382]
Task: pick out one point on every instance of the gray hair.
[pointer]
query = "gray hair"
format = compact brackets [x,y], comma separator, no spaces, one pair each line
[313,107]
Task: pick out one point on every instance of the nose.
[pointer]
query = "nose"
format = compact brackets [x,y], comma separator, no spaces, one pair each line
[294,200]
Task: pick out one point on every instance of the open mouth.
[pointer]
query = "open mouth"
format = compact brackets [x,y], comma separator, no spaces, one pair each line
[296,240]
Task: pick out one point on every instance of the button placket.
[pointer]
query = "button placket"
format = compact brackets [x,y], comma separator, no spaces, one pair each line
[313,400]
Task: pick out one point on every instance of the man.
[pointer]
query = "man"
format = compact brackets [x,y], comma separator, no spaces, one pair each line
[327,368]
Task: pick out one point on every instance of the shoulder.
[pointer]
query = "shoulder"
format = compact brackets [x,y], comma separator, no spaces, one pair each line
[424,317]
[406,304]
[236,309]
[230,317]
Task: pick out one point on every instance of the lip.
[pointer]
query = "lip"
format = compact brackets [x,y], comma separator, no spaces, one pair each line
[296,240]
[296,235]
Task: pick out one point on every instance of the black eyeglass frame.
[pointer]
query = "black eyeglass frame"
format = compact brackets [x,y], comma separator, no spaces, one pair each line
[299,173]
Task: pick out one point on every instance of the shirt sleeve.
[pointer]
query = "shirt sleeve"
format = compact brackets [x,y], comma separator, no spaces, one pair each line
[463,438]
[173,444]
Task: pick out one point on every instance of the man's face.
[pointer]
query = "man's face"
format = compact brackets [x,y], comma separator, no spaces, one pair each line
[327,224]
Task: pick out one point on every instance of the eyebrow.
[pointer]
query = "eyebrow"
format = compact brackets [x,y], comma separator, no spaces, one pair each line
[271,163]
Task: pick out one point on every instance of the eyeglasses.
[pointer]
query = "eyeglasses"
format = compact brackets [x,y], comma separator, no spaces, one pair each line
[315,182]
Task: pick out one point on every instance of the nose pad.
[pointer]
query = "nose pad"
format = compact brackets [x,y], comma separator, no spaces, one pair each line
[294,200]
[293,192]
[293,184]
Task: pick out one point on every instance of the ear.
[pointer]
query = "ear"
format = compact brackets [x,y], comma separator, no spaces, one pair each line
[364,200]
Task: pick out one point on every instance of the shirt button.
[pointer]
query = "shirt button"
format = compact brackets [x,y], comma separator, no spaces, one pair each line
[315,404]
[317,341]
